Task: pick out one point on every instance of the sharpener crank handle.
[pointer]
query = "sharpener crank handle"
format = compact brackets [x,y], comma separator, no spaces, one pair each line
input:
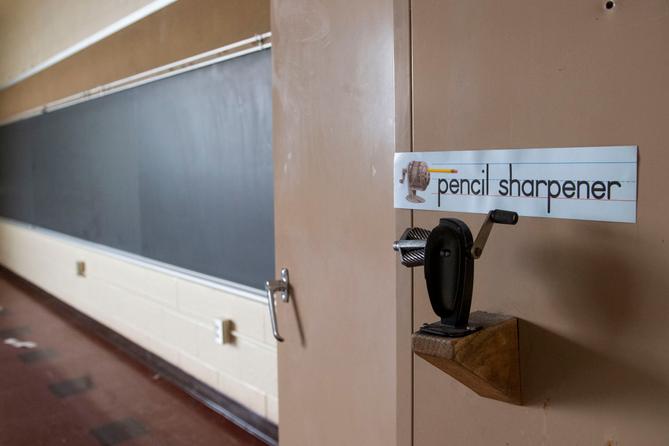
[495,216]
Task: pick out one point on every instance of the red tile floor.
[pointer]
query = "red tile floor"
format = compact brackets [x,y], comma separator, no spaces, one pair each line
[75,389]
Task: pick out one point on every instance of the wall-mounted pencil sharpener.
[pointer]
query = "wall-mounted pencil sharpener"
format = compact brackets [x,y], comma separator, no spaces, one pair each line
[448,253]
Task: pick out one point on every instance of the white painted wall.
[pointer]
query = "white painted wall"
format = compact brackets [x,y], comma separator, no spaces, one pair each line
[165,313]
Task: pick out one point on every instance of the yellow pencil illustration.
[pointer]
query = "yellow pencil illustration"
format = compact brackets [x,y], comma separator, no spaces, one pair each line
[443,170]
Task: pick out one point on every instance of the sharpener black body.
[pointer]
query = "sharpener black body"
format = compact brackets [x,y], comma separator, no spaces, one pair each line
[449,271]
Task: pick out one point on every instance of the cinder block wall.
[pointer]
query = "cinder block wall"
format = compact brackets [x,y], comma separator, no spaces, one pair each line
[165,313]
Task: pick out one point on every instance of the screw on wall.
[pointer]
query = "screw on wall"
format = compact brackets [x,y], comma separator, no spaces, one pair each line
[609,5]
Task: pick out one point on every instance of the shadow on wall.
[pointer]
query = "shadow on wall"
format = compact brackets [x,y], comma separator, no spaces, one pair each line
[560,372]
[600,277]
[606,281]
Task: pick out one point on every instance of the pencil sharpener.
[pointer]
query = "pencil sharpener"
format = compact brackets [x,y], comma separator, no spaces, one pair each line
[447,253]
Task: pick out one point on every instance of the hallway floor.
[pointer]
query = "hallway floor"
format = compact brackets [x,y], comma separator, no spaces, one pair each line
[73,388]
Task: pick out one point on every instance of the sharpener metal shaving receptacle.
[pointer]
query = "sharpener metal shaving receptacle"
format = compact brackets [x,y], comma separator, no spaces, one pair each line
[448,253]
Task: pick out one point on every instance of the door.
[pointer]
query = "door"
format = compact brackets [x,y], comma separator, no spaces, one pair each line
[344,373]
[592,295]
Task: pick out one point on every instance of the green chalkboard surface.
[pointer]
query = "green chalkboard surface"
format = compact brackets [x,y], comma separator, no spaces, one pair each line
[178,170]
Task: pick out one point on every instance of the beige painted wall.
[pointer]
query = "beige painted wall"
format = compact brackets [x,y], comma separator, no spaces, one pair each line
[177,31]
[592,295]
[32,31]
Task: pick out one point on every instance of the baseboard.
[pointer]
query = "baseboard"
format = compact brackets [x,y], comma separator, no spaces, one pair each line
[254,424]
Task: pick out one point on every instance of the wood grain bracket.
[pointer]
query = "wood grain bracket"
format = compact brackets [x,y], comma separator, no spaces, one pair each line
[486,361]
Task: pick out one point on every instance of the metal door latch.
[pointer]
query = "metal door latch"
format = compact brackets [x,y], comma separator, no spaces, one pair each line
[273,286]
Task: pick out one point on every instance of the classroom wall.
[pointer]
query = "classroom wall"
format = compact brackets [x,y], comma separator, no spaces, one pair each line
[165,313]
[180,30]
[33,31]
[591,296]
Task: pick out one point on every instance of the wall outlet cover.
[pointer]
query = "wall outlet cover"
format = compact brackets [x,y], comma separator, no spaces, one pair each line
[223,331]
[81,268]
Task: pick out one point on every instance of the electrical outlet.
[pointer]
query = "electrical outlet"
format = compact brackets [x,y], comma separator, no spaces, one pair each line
[81,268]
[223,331]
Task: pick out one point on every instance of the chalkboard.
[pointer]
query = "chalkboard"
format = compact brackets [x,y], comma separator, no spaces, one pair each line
[177,170]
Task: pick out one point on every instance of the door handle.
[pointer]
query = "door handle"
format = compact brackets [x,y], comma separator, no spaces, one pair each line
[273,286]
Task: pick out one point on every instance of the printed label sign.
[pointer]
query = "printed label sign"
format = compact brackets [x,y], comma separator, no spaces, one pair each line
[584,183]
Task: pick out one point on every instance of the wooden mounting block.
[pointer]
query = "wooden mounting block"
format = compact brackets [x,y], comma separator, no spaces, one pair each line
[487,361]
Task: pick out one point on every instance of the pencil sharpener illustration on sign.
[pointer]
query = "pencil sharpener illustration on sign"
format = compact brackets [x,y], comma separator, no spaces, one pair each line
[448,253]
[417,177]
